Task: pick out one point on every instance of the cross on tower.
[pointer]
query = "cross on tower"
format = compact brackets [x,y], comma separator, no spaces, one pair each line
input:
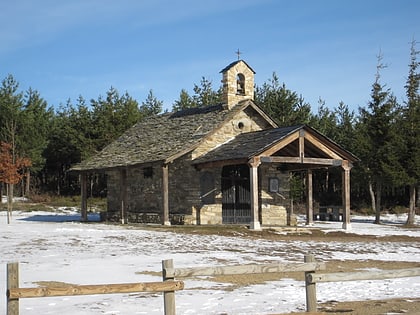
[238,52]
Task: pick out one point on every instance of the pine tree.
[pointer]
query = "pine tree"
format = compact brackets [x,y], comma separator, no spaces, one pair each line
[283,105]
[376,140]
[185,101]
[410,130]
[113,115]
[36,123]
[151,106]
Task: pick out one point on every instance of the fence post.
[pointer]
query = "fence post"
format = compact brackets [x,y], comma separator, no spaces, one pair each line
[12,283]
[168,296]
[310,287]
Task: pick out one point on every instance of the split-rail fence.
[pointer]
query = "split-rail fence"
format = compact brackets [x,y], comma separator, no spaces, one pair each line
[169,285]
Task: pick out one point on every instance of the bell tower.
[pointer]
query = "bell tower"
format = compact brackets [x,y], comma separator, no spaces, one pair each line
[238,83]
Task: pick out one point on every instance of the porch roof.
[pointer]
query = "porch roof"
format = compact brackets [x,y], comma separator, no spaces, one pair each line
[273,142]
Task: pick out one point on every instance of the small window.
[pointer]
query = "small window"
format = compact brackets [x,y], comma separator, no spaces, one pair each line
[240,83]
[148,172]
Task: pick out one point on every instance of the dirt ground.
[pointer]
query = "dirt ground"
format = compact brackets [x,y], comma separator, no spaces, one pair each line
[372,307]
[391,306]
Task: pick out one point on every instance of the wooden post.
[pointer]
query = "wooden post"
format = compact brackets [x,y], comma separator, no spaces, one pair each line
[165,194]
[255,222]
[309,199]
[123,196]
[168,296]
[310,287]
[12,282]
[346,195]
[83,192]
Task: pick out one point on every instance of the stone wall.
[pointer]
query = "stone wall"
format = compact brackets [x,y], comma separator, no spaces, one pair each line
[195,197]
[244,121]
[144,191]
[274,195]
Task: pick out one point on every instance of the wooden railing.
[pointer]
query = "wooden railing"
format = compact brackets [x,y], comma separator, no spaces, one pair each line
[14,293]
[312,278]
[169,285]
[169,273]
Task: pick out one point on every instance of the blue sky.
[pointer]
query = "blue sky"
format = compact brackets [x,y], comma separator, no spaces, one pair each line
[321,48]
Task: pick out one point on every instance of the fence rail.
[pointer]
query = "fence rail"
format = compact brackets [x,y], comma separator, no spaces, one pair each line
[363,275]
[243,269]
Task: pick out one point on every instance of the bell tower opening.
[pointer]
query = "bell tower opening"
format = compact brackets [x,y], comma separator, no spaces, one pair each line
[240,83]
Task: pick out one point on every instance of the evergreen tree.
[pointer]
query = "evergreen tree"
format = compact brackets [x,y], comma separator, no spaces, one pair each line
[377,140]
[205,95]
[410,130]
[151,106]
[11,102]
[62,151]
[185,101]
[283,105]
[324,120]
[345,123]
[36,122]
[112,116]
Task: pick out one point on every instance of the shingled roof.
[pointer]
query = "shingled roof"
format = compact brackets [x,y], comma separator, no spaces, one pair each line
[160,138]
[233,64]
[247,145]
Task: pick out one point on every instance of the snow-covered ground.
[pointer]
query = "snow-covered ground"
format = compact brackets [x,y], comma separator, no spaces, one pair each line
[56,247]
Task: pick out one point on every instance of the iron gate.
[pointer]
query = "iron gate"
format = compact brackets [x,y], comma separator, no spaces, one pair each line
[236,199]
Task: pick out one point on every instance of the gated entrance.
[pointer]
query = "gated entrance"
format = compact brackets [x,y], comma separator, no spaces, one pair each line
[236,204]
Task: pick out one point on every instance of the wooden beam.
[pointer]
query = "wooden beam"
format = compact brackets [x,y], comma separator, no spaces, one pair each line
[279,159]
[345,178]
[281,144]
[165,194]
[244,269]
[299,160]
[83,193]
[12,284]
[255,222]
[71,290]
[309,198]
[363,275]
[310,287]
[168,296]
[321,146]
[123,196]
[301,145]
[319,161]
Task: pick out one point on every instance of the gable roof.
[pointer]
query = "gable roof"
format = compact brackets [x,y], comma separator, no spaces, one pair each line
[233,64]
[265,142]
[163,137]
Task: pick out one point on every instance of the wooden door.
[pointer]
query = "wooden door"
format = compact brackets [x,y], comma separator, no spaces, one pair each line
[236,198]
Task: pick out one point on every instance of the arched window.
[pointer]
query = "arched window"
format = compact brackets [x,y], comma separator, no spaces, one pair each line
[240,83]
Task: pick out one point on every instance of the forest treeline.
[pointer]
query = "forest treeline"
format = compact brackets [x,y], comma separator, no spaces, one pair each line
[385,135]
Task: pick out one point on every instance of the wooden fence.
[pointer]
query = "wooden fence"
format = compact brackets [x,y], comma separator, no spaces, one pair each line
[312,278]
[169,285]
[14,293]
